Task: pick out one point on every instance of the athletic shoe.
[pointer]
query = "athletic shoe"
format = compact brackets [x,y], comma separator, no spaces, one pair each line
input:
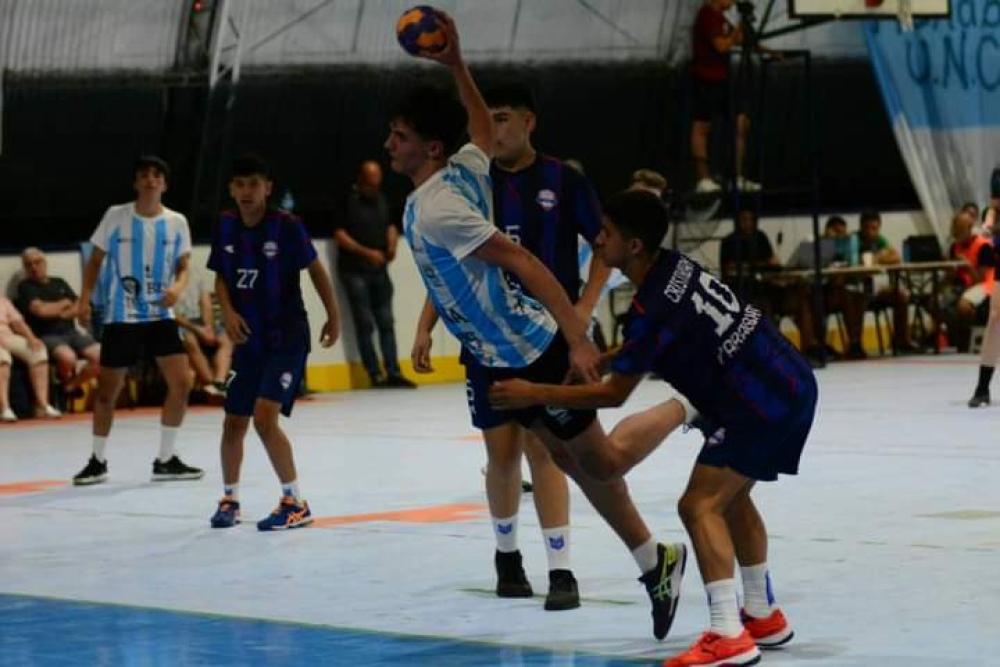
[663,583]
[228,513]
[173,469]
[707,185]
[7,415]
[771,632]
[746,185]
[94,472]
[512,582]
[563,591]
[289,514]
[47,412]
[713,650]
[979,400]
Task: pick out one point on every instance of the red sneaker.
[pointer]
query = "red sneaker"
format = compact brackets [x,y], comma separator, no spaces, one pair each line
[770,632]
[712,650]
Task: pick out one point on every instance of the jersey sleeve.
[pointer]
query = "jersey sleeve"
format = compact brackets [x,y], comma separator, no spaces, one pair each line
[101,236]
[473,158]
[215,249]
[305,250]
[644,336]
[459,227]
[586,207]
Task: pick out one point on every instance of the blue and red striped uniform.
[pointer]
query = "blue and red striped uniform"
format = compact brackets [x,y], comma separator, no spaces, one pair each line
[755,393]
[261,266]
[544,207]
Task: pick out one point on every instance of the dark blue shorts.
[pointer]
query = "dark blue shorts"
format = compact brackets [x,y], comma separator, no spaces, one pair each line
[550,368]
[780,392]
[275,377]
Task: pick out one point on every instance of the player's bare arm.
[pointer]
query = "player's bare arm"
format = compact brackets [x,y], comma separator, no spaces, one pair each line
[324,288]
[609,393]
[233,322]
[90,275]
[500,251]
[173,293]
[420,355]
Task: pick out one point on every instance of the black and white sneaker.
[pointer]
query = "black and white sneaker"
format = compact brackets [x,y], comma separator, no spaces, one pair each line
[663,584]
[94,472]
[174,470]
[979,399]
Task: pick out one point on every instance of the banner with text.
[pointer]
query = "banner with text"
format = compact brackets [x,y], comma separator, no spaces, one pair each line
[941,86]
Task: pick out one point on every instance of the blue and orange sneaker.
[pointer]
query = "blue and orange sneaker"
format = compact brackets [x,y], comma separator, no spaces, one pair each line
[289,514]
[228,513]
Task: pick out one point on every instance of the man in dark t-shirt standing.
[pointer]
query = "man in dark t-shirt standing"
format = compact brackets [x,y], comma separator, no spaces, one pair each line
[367,238]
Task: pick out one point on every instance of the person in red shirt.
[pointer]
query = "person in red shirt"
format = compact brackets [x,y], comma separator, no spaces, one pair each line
[713,38]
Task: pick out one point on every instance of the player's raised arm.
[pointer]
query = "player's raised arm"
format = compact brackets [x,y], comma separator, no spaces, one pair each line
[480,119]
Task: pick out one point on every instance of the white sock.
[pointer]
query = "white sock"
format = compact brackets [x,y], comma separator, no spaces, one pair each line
[505,531]
[100,445]
[231,491]
[723,609]
[758,596]
[168,443]
[689,410]
[557,547]
[291,489]
[646,556]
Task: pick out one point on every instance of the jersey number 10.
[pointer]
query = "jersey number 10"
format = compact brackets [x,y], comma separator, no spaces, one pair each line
[717,301]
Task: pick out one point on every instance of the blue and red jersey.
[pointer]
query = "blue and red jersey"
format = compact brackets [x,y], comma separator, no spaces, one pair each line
[261,267]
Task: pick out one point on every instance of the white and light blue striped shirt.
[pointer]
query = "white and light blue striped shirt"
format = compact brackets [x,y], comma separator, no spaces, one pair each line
[446,220]
[142,256]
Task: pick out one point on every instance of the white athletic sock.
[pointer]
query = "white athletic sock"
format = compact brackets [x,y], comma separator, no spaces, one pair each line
[505,531]
[689,410]
[723,609]
[231,491]
[645,556]
[557,547]
[100,445]
[168,443]
[291,489]
[758,596]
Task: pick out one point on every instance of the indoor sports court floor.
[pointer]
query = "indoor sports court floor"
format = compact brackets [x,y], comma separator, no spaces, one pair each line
[884,551]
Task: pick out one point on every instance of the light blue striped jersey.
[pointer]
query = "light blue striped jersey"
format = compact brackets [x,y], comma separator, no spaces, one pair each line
[141,261]
[446,220]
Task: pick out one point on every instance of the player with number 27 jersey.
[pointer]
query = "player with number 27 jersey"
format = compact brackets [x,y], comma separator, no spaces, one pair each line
[682,316]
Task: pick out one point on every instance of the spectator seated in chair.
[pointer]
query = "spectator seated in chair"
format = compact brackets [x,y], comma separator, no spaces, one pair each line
[844,296]
[208,346]
[967,302]
[745,254]
[17,340]
[50,307]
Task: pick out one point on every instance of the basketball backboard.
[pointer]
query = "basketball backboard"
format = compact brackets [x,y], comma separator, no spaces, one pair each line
[868,9]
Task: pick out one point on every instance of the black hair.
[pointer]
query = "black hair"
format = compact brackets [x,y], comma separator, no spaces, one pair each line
[151,161]
[435,115]
[250,165]
[639,214]
[835,220]
[869,214]
[513,95]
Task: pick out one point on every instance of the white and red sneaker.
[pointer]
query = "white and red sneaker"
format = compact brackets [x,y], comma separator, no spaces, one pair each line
[714,650]
[771,632]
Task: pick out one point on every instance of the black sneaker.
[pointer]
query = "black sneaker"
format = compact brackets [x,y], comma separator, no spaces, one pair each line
[526,486]
[174,469]
[512,582]
[979,400]
[400,382]
[563,591]
[663,583]
[94,472]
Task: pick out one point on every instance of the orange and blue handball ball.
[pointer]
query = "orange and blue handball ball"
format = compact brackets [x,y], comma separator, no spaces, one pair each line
[420,31]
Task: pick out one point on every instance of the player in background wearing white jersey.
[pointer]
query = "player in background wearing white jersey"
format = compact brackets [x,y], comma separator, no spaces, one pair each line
[462,258]
[147,247]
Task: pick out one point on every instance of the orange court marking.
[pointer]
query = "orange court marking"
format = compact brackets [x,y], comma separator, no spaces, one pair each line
[436,514]
[30,487]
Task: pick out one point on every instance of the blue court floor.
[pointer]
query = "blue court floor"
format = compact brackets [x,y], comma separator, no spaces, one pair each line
[884,549]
